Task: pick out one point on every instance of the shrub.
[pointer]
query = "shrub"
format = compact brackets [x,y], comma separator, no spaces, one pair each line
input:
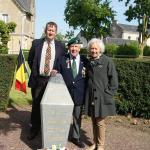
[110,49]
[146,51]
[3,49]
[134,87]
[130,50]
[5,30]
[83,51]
[7,65]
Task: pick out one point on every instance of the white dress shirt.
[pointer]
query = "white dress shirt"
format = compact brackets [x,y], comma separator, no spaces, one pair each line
[43,54]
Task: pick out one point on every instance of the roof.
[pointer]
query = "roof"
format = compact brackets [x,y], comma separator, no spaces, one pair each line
[126,27]
[118,41]
[25,5]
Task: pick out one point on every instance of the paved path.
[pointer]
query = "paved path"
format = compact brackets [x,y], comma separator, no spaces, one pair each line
[14,129]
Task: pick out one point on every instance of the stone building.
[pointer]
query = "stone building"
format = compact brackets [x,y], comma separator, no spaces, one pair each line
[120,34]
[22,12]
[123,33]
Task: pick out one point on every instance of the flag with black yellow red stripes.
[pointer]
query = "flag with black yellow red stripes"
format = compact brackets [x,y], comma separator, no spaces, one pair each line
[20,73]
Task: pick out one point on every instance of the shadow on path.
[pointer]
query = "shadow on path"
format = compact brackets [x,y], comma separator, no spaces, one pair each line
[15,119]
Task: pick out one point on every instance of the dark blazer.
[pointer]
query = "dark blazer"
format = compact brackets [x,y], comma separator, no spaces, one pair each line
[35,58]
[76,86]
[102,84]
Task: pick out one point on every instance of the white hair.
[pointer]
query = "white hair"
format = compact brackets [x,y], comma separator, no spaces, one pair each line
[99,42]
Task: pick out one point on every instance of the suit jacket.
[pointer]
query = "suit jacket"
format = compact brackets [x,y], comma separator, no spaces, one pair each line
[76,86]
[35,58]
[101,86]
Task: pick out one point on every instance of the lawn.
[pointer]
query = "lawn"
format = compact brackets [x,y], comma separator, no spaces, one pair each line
[20,98]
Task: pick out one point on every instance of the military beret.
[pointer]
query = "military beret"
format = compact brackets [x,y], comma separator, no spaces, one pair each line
[75,40]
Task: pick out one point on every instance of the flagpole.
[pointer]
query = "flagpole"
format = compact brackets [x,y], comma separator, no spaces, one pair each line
[24,59]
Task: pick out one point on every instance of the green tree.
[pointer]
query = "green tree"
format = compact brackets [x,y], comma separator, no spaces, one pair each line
[60,36]
[69,34]
[93,17]
[5,30]
[140,10]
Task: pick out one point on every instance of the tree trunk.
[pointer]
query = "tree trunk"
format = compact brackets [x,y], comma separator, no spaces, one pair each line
[141,48]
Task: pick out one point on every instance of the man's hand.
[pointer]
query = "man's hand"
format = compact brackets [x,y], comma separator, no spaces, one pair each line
[53,73]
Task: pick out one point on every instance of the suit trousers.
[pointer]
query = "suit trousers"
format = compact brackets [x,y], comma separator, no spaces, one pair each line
[77,112]
[99,128]
[37,94]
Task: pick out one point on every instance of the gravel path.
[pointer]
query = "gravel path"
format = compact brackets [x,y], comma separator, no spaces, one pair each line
[14,130]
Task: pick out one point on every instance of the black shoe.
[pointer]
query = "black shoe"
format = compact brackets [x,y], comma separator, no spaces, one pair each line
[32,135]
[78,142]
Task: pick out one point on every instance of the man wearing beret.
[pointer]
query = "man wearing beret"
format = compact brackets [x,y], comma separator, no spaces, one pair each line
[72,66]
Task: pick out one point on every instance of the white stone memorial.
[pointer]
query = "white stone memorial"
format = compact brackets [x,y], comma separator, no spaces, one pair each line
[56,113]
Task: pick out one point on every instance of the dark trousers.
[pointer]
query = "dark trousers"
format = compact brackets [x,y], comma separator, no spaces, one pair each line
[77,112]
[37,94]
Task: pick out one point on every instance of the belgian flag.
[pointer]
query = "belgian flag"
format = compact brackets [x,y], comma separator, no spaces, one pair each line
[20,73]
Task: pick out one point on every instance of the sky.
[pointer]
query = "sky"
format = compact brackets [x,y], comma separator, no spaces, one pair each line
[53,10]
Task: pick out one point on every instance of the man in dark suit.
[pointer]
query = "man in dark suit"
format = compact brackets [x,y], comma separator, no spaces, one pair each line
[43,56]
[72,67]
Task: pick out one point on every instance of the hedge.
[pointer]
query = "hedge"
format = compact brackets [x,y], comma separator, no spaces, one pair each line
[133,94]
[134,87]
[7,69]
[131,50]
[111,49]
[146,51]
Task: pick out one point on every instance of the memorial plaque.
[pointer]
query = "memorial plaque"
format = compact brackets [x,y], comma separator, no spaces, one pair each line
[56,113]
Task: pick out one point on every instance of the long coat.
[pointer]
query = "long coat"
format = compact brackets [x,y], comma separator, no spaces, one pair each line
[102,84]
[35,58]
[76,86]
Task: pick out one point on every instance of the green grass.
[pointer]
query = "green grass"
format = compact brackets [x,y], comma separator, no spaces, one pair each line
[20,98]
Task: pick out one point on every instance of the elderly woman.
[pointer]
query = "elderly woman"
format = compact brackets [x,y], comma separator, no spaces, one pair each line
[102,84]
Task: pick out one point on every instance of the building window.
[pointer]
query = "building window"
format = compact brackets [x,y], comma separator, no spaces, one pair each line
[129,37]
[5,18]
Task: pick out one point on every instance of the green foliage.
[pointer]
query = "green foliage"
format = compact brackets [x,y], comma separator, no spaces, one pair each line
[140,10]
[111,49]
[146,51]
[130,50]
[93,17]
[26,54]
[3,27]
[134,87]
[5,30]
[60,37]
[3,49]
[5,37]
[11,27]
[7,65]
[69,34]
[83,51]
